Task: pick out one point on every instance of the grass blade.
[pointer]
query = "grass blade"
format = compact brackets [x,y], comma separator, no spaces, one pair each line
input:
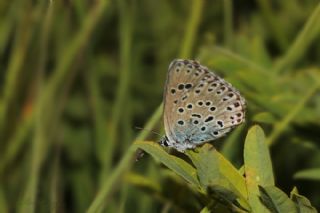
[304,39]
[308,174]
[125,163]
[191,28]
[284,123]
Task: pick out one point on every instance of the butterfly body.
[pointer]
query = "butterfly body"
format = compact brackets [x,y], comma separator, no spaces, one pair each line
[199,106]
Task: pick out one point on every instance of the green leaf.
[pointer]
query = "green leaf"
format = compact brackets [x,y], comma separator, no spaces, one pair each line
[226,197]
[309,174]
[257,160]
[206,163]
[258,168]
[276,200]
[212,167]
[303,205]
[235,179]
[214,170]
[205,210]
[221,192]
[174,163]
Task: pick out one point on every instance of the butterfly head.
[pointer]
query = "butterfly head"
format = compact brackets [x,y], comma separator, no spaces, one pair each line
[180,146]
[164,141]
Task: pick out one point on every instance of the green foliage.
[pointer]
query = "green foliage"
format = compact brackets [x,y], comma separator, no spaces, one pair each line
[211,174]
[301,202]
[311,174]
[77,77]
[276,200]
[176,164]
[257,166]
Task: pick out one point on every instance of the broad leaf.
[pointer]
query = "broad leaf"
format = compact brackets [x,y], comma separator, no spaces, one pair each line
[206,163]
[258,168]
[174,163]
[226,197]
[257,159]
[303,205]
[276,200]
[229,172]
[214,170]
[205,210]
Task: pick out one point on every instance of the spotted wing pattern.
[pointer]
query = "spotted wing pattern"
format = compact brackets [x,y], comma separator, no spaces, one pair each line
[199,106]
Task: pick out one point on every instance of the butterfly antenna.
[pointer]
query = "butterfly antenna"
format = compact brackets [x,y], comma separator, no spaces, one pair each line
[152,131]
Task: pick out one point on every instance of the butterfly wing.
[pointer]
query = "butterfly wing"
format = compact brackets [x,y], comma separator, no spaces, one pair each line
[199,106]
[176,92]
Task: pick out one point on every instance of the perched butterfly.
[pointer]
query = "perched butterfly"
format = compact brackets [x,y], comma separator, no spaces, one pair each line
[199,106]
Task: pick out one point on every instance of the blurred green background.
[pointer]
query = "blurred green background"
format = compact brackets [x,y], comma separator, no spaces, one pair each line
[78,76]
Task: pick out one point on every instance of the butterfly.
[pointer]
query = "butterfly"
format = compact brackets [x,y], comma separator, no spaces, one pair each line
[199,106]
